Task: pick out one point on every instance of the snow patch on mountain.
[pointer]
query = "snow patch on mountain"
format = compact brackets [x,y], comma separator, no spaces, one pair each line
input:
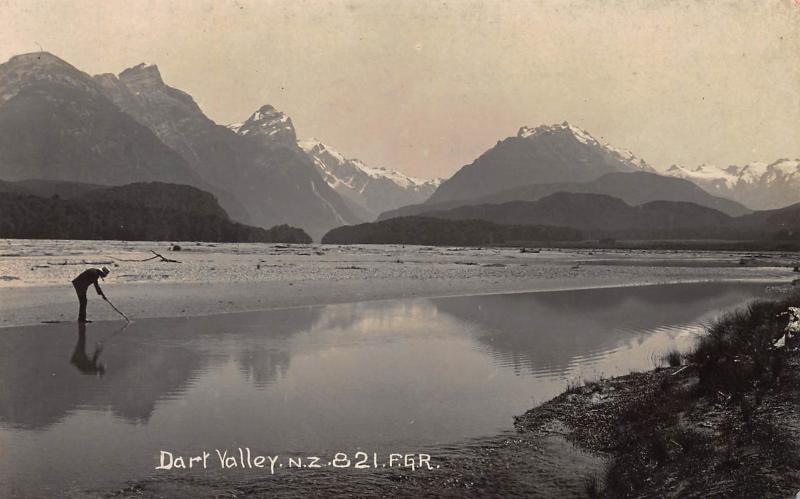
[751,173]
[706,174]
[318,149]
[585,138]
[758,185]
[373,189]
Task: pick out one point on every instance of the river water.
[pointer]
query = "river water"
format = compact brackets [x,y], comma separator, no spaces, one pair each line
[92,409]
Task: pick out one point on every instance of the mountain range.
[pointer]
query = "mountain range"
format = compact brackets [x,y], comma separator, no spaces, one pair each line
[530,180]
[758,185]
[132,127]
[270,176]
[632,187]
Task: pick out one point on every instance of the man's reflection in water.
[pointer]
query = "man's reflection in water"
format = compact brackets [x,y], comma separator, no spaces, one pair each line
[83,362]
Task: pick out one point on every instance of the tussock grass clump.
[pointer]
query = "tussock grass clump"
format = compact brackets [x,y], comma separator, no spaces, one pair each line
[720,421]
[718,428]
[737,354]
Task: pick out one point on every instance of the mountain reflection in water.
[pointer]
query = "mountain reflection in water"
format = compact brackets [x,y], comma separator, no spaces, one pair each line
[383,375]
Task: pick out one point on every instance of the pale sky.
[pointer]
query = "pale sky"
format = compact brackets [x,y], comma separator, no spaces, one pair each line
[426,86]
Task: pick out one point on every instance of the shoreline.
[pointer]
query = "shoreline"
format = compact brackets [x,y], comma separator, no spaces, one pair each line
[585,416]
[722,420]
[371,281]
[203,300]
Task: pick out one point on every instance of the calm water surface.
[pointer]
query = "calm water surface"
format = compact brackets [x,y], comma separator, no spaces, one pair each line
[90,410]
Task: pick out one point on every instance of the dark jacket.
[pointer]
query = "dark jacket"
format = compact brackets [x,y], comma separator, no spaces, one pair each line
[87,278]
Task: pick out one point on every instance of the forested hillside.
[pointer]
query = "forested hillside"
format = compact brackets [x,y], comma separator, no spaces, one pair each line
[150,211]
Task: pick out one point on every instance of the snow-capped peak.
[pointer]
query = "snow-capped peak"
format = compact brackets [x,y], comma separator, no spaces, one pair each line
[580,134]
[584,137]
[315,148]
[372,190]
[267,122]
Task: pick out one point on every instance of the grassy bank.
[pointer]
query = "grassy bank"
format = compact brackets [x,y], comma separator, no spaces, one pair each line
[720,421]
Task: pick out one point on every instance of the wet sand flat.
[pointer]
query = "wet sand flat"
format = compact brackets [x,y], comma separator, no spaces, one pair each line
[230,278]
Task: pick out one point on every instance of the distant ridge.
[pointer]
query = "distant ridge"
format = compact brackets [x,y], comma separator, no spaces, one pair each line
[599,215]
[149,211]
[602,216]
[439,232]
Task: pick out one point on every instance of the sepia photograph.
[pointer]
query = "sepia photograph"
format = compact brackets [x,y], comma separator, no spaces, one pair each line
[399,249]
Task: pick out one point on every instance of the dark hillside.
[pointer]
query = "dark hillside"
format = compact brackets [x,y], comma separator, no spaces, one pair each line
[143,211]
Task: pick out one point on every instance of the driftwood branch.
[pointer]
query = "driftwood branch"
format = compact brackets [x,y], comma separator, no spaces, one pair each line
[133,260]
[156,255]
[112,260]
[82,262]
[163,258]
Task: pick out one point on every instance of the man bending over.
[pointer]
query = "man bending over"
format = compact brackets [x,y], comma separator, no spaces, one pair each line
[82,283]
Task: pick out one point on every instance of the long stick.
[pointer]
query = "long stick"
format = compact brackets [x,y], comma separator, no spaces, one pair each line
[118,310]
[163,258]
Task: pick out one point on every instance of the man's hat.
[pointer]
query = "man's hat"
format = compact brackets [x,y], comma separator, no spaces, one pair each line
[105,271]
